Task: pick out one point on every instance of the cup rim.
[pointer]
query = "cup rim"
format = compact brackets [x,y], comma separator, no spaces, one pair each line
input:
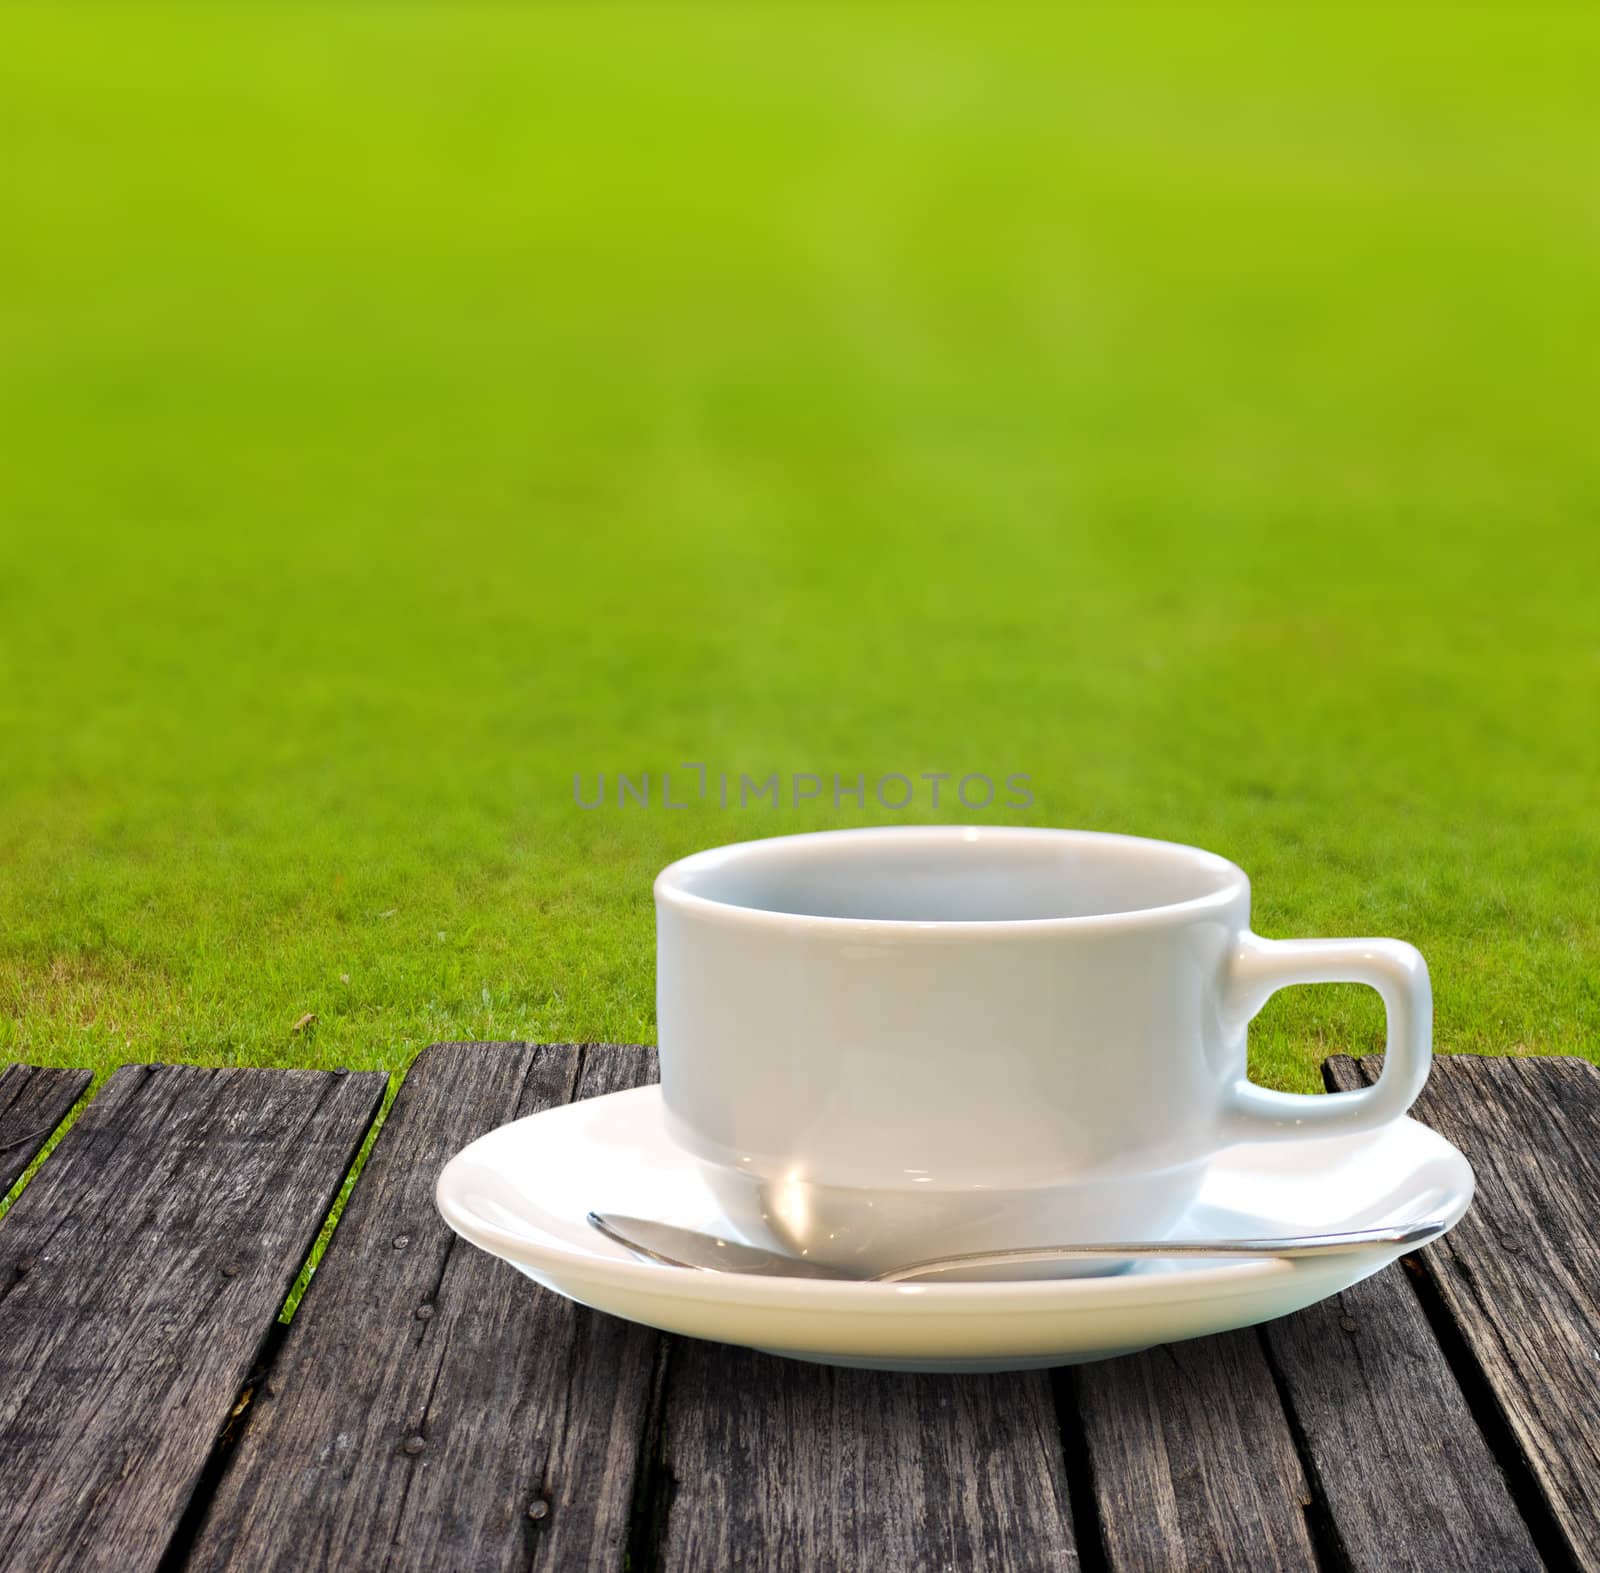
[670,893]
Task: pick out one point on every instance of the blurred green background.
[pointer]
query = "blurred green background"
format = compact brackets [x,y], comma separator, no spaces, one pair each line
[406,408]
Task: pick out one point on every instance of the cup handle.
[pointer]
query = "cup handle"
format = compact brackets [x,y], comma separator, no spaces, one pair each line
[1260,967]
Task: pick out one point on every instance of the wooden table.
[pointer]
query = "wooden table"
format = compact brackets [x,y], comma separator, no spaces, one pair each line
[428,1408]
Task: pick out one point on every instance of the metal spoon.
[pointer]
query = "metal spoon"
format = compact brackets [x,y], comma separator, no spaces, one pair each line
[671,1246]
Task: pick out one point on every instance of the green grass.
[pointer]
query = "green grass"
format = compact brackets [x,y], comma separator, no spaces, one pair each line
[405,408]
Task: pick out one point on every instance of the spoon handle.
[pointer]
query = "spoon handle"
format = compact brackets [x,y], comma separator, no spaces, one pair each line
[1284,1245]
[670,1245]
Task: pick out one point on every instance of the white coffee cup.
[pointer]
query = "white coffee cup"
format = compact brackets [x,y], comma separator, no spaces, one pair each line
[903,1042]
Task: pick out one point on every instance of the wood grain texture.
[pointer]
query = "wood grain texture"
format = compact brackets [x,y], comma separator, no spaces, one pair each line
[1193,1460]
[1395,1452]
[139,1275]
[1519,1277]
[1406,1475]
[432,1408]
[33,1101]
[772,1463]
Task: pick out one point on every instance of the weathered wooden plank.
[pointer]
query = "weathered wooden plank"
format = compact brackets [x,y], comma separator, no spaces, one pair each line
[33,1101]
[139,1274]
[1401,1467]
[1520,1275]
[772,1463]
[431,1408]
[1192,1458]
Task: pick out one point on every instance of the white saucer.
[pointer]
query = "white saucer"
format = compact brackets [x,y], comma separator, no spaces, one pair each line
[522,1193]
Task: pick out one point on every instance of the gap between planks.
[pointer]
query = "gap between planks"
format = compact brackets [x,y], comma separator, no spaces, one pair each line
[654,1486]
[252,1490]
[1343,1073]
[216,1465]
[1321,1529]
[46,1101]
[160,1148]
[178,1547]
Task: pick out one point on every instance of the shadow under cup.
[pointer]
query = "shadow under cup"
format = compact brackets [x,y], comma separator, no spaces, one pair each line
[893,1045]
